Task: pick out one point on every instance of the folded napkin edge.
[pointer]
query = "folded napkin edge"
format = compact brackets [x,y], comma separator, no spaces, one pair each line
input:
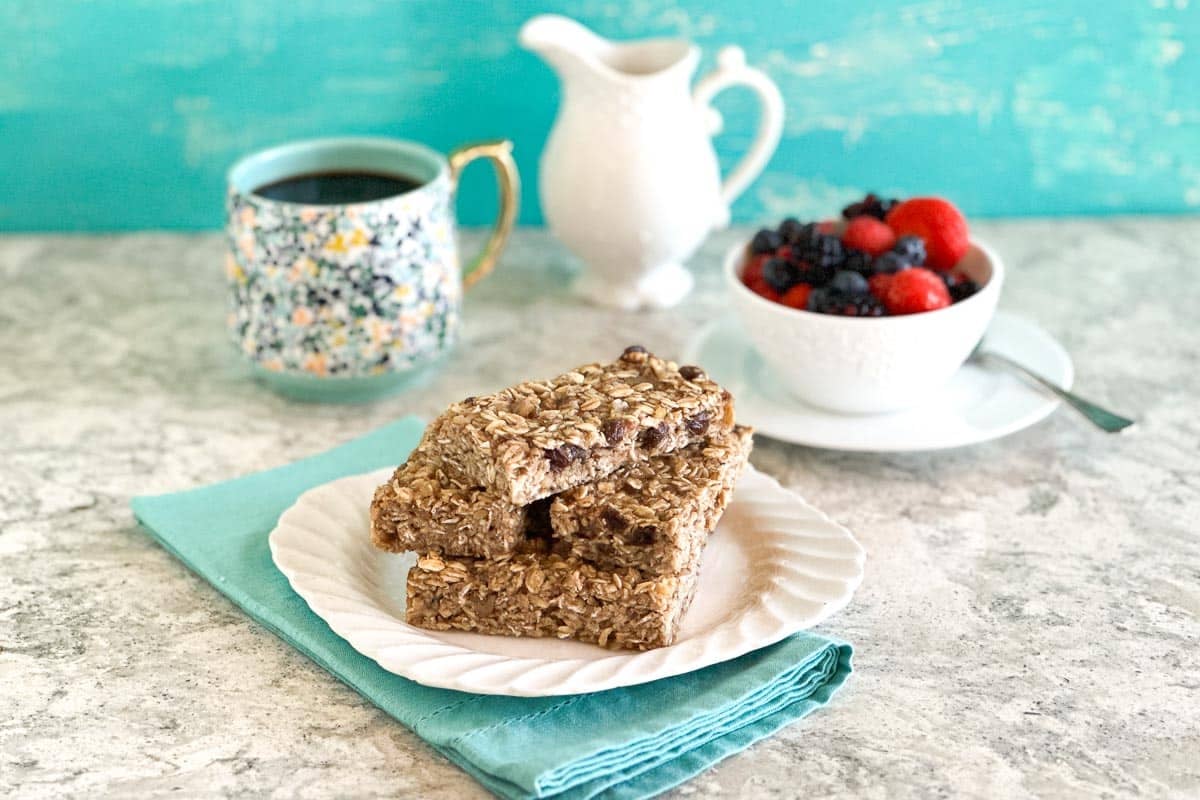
[833,660]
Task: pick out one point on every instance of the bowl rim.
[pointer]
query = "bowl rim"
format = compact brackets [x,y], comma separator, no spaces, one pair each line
[733,261]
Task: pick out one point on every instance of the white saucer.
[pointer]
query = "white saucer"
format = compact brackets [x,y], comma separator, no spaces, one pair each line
[976,405]
[774,566]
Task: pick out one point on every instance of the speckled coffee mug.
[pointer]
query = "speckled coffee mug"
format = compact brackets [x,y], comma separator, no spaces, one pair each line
[347,302]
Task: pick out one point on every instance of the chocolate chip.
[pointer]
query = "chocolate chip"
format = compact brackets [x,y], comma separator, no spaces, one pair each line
[653,437]
[469,400]
[691,373]
[633,348]
[643,535]
[615,430]
[698,424]
[613,520]
[564,455]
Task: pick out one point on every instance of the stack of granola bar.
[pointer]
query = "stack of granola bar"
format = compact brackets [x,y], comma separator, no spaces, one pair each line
[576,507]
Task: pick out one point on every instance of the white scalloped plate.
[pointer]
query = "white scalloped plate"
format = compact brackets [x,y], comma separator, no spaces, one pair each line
[774,566]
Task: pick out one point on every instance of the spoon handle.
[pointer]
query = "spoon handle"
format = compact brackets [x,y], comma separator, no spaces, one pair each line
[1102,418]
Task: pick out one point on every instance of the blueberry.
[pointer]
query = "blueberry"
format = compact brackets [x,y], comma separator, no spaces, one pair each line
[849,283]
[790,229]
[766,241]
[818,299]
[806,234]
[911,249]
[889,263]
[780,275]
[858,261]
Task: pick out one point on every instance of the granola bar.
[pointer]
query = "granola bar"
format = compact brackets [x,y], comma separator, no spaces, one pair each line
[547,595]
[654,516]
[540,437]
[425,509]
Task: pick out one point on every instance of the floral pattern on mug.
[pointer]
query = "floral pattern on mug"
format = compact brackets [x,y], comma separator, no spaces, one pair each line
[345,291]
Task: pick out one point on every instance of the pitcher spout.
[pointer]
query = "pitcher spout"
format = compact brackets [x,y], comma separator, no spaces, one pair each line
[572,50]
[564,43]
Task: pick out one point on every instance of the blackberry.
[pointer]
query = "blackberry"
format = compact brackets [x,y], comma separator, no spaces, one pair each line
[859,262]
[790,229]
[831,301]
[780,275]
[766,241]
[960,288]
[911,248]
[872,205]
[889,264]
[849,283]
[814,275]
[962,291]
[821,250]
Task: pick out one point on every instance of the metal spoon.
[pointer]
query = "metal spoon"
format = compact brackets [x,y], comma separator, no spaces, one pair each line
[1103,419]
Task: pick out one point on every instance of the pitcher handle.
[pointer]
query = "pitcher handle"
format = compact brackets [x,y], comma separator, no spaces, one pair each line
[499,152]
[732,71]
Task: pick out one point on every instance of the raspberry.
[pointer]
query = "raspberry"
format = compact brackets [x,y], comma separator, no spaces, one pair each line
[797,296]
[761,288]
[878,285]
[939,223]
[754,269]
[912,291]
[869,235]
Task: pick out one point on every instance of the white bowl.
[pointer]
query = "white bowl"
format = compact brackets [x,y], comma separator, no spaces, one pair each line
[868,365]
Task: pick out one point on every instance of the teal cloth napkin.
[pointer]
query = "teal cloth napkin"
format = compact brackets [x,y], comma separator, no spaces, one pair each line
[623,743]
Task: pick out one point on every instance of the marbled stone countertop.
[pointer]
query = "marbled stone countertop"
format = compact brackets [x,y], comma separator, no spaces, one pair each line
[1028,624]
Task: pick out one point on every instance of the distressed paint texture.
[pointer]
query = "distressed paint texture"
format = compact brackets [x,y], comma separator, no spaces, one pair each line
[122,114]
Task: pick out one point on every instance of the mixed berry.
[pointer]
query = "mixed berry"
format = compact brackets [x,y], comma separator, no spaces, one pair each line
[885,257]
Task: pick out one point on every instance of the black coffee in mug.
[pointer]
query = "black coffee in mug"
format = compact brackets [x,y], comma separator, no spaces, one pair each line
[337,187]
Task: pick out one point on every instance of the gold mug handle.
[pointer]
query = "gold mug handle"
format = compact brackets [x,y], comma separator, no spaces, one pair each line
[499,152]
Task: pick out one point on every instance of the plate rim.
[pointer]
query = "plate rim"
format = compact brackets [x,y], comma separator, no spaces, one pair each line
[662,662]
[693,352]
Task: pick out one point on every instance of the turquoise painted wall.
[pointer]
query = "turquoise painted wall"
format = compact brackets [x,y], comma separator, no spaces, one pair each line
[125,115]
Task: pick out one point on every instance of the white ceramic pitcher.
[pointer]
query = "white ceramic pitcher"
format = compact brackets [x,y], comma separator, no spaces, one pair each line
[629,179]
